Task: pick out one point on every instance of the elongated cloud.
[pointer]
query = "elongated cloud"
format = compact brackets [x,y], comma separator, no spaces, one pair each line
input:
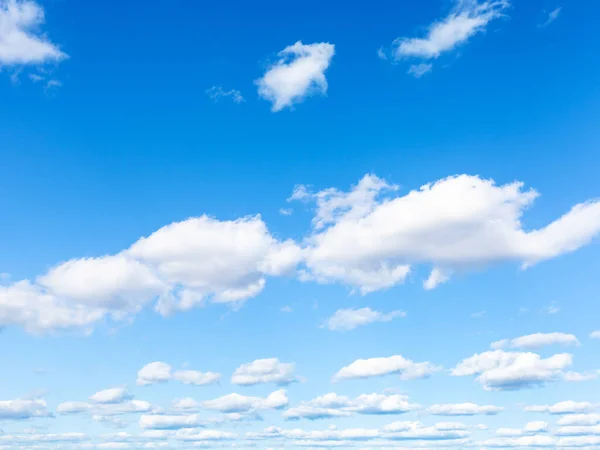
[375,367]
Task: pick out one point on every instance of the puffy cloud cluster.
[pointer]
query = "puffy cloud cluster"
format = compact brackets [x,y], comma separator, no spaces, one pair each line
[268,370]
[375,367]
[299,72]
[160,372]
[333,405]
[500,370]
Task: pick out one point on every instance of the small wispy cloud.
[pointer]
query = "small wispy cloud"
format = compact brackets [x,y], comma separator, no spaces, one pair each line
[215,93]
[478,315]
[552,16]
[287,309]
[418,70]
[286,211]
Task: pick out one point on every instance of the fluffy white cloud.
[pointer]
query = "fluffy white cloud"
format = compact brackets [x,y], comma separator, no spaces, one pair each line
[369,237]
[183,265]
[374,367]
[333,405]
[537,340]
[21,409]
[113,395]
[20,43]
[185,404]
[595,335]
[578,431]
[170,422]
[530,428]
[566,407]
[160,372]
[500,370]
[268,370]
[299,72]
[468,18]
[579,420]
[154,372]
[351,318]
[236,403]
[520,442]
[464,409]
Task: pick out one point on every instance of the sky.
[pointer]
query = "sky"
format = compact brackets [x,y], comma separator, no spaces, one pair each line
[362,226]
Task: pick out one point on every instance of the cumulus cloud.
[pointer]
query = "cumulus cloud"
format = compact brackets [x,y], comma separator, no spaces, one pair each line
[113,395]
[537,340]
[500,370]
[333,405]
[20,41]
[370,237]
[182,265]
[170,422]
[236,403]
[375,367]
[583,420]
[160,372]
[469,17]
[419,70]
[464,409]
[299,73]
[566,407]
[351,318]
[268,370]
[530,428]
[21,409]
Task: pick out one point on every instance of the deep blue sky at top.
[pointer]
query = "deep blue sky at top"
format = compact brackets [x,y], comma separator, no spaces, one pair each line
[131,141]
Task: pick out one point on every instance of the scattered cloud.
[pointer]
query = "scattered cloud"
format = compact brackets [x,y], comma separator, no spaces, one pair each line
[114,395]
[583,420]
[552,309]
[478,315]
[419,70]
[468,18]
[595,335]
[551,17]
[236,403]
[531,428]
[286,211]
[160,372]
[287,309]
[464,409]
[566,407]
[381,54]
[21,43]
[21,409]
[215,93]
[349,319]
[299,73]
[375,367]
[500,370]
[333,405]
[537,340]
[269,370]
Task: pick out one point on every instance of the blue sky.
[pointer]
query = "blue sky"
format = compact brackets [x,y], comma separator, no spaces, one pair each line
[299,226]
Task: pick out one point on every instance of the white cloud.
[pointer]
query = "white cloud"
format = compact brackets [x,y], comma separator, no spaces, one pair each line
[287,309]
[185,404]
[369,237]
[21,409]
[419,70]
[154,372]
[20,43]
[192,434]
[170,422]
[349,319]
[374,367]
[469,18]
[500,370]
[113,395]
[182,265]
[195,377]
[299,72]
[236,403]
[160,372]
[531,428]
[566,407]
[595,335]
[579,420]
[552,16]
[579,377]
[537,340]
[520,442]
[464,409]
[269,370]
[217,92]
[333,405]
